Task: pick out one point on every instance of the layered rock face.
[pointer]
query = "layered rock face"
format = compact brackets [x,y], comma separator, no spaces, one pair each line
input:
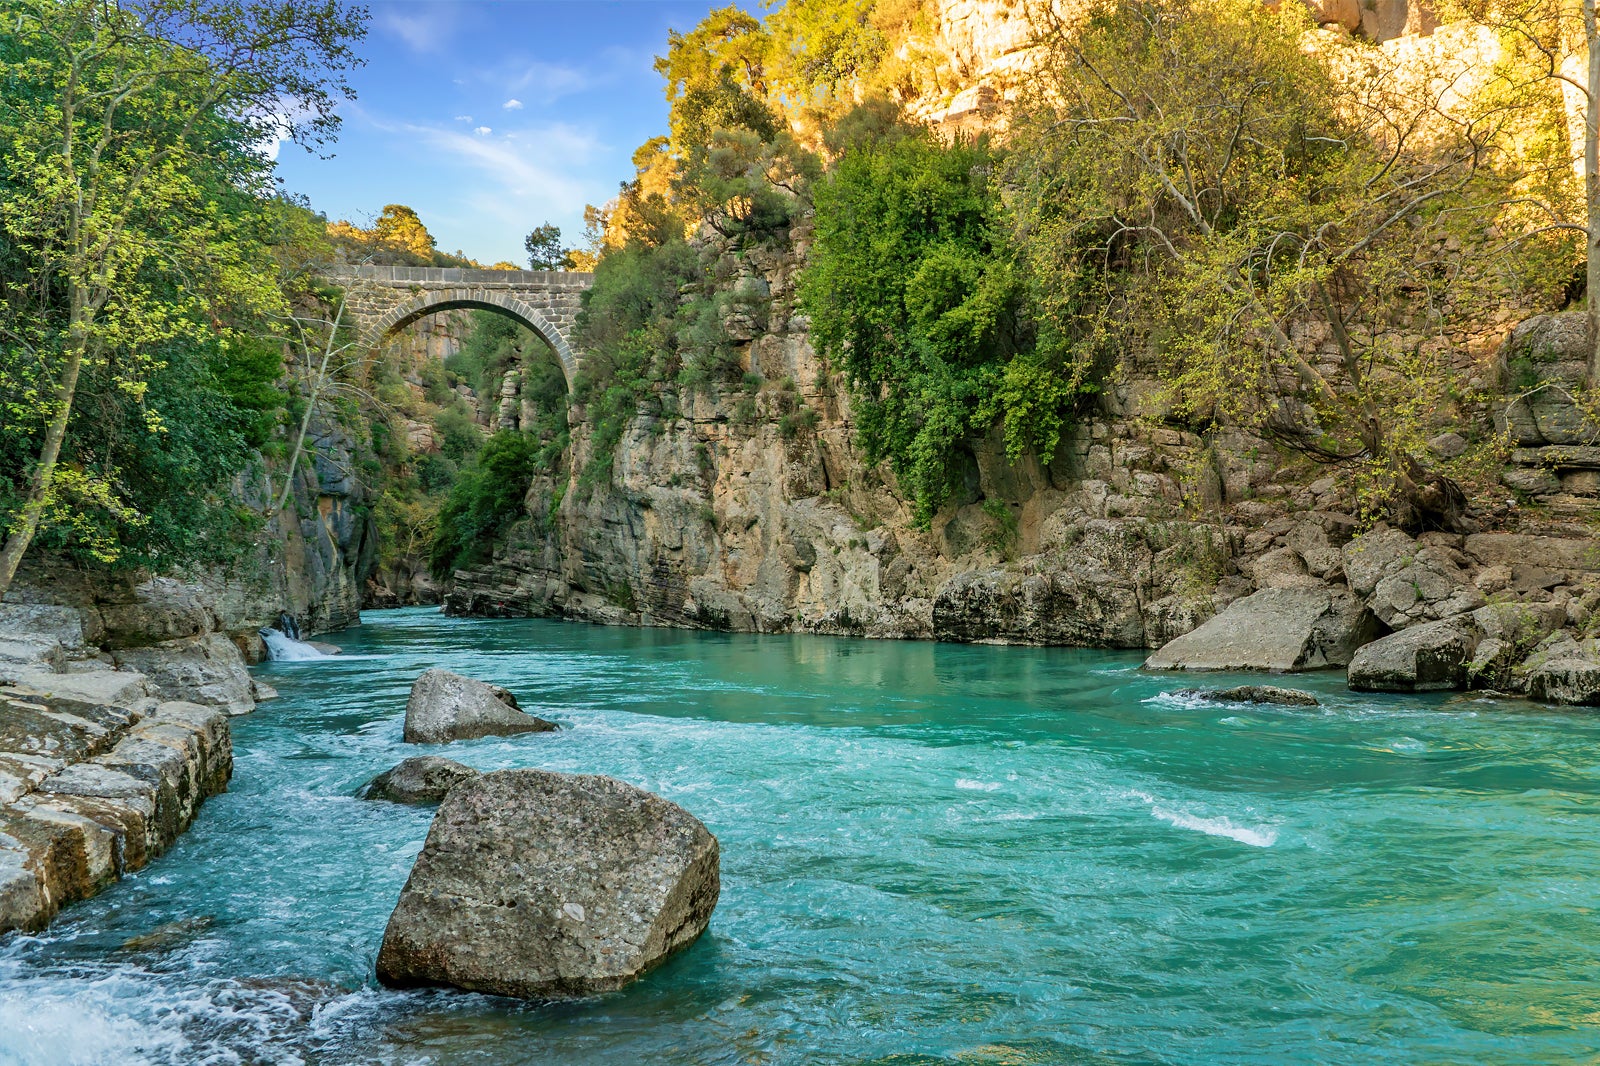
[546,885]
[103,766]
[96,779]
[755,511]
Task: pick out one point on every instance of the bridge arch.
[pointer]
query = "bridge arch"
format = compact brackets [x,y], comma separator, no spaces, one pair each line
[428,302]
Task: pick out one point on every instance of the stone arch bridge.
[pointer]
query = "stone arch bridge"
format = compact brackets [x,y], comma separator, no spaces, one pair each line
[387,299]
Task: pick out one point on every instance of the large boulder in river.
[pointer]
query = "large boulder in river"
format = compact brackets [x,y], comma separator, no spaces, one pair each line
[547,885]
[1424,658]
[1283,629]
[420,779]
[445,707]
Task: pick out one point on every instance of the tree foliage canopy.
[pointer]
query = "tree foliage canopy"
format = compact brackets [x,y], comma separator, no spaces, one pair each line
[135,250]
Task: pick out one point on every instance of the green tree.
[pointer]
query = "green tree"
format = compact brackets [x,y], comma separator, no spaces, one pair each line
[131,132]
[912,292]
[544,249]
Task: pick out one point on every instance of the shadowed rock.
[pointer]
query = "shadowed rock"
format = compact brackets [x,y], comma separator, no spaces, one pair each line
[547,885]
[1424,658]
[1288,697]
[445,707]
[422,779]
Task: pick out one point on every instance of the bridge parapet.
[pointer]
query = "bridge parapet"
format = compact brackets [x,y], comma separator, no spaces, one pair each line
[403,275]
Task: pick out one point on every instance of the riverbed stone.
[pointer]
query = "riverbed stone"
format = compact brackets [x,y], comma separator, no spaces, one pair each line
[444,707]
[1424,658]
[420,779]
[1285,630]
[545,885]
[1287,697]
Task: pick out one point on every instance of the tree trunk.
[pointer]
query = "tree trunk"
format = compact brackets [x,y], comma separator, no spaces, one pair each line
[1429,500]
[1591,189]
[43,475]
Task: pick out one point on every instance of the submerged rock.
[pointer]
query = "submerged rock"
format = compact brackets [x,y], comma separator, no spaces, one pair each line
[1288,697]
[1423,658]
[421,779]
[445,707]
[1283,629]
[547,885]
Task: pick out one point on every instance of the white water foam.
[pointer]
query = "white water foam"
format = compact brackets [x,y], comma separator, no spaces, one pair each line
[60,1029]
[1218,826]
[977,786]
[283,648]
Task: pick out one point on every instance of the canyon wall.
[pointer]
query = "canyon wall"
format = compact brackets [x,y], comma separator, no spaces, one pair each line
[754,510]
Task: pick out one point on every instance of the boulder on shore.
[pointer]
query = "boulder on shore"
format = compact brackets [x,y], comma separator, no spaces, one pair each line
[1287,697]
[1564,670]
[420,779]
[1424,658]
[1282,629]
[547,885]
[445,707]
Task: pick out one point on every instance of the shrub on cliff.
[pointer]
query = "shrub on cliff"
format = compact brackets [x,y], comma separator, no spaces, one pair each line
[1300,249]
[913,290]
[485,500]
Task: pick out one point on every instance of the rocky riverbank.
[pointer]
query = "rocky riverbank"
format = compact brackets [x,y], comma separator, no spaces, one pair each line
[103,766]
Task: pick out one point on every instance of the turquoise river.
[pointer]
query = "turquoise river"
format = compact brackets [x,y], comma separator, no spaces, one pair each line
[931,853]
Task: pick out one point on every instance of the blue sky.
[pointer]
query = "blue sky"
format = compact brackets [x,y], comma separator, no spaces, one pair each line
[491,118]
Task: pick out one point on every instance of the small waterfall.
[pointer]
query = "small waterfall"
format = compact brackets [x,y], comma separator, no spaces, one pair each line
[288,626]
[283,648]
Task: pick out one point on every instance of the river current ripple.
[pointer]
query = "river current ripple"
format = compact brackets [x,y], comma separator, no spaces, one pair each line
[931,854]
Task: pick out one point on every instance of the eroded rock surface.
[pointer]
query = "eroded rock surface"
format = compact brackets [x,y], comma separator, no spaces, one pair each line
[444,707]
[1565,670]
[538,884]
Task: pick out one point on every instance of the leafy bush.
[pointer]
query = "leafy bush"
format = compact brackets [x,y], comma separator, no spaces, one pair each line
[912,289]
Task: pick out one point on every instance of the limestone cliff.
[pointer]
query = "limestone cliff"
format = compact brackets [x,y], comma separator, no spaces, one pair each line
[754,510]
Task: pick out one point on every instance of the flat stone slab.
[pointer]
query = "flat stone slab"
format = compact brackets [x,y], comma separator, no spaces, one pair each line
[1282,630]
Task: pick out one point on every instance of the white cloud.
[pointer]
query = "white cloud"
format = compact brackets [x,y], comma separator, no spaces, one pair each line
[424,30]
[512,104]
[463,118]
[482,131]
